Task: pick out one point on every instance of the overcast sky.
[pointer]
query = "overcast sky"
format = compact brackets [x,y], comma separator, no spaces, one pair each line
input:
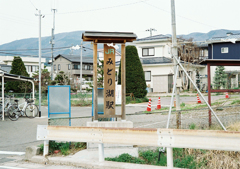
[18,20]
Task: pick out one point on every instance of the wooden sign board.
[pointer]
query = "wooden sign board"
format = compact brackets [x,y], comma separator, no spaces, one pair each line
[109,81]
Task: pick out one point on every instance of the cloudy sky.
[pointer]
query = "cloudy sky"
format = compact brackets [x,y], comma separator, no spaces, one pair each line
[18,20]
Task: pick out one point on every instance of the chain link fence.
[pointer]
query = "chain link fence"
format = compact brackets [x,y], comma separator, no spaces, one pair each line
[184,119]
[77,99]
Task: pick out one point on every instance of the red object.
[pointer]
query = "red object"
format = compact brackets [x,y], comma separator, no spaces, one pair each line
[149,106]
[159,104]
[56,151]
[226,96]
[198,99]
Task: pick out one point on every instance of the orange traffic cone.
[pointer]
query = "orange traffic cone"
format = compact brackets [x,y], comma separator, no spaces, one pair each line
[149,105]
[226,96]
[159,104]
[198,99]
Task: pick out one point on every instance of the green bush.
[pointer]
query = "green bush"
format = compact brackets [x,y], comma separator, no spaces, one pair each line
[192,126]
[182,104]
[126,158]
[53,82]
[135,78]
[64,147]
[181,159]
[18,68]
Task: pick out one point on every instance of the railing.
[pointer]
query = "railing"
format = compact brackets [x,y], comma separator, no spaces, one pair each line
[169,138]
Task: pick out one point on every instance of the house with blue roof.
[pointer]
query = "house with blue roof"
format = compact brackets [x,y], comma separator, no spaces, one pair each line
[155,55]
[222,49]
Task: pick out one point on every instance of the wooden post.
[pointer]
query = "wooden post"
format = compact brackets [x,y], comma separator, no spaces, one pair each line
[209,94]
[95,102]
[123,81]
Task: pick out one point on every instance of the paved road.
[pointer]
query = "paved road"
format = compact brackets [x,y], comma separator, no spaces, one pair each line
[15,136]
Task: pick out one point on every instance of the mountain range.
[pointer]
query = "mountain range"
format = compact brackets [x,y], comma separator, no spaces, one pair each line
[63,42]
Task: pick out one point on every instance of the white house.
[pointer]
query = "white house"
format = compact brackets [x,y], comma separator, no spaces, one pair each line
[31,63]
[155,55]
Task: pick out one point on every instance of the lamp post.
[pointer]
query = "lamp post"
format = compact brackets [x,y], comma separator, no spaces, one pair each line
[81,68]
[77,47]
[39,51]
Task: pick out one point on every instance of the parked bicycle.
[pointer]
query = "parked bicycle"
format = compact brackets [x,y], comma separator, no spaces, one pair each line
[7,104]
[29,109]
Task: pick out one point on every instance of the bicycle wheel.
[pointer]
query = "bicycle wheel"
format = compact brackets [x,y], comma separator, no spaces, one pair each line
[31,110]
[13,113]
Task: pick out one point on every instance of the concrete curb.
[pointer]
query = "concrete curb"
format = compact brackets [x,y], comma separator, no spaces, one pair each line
[90,164]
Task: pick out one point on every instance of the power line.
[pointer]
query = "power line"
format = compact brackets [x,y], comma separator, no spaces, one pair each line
[98,9]
[18,54]
[33,5]
[180,16]
[35,49]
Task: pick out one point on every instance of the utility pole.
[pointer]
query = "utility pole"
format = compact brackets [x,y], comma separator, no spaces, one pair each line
[174,49]
[40,53]
[150,30]
[52,41]
[81,68]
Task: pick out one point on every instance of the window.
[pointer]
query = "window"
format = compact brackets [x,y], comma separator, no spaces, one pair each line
[59,67]
[147,75]
[69,66]
[31,68]
[34,68]
[224,50]
[148,51]
[54,67]
[28,68]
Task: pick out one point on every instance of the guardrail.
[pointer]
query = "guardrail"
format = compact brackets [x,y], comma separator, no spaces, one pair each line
[169,138]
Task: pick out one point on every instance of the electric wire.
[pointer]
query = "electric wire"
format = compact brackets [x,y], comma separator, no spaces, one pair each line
[181,16]
[99,9]
[35,49]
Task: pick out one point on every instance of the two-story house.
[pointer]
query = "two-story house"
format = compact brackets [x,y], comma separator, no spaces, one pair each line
[31,63]
[226,48]
[70,65]
[158,66]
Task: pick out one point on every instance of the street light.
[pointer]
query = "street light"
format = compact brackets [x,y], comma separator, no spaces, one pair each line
[77,47]
[39,67]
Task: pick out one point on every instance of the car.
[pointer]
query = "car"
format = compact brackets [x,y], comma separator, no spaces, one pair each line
[87,85]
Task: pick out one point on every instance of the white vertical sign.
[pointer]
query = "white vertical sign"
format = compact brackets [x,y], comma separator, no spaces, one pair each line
[118,92]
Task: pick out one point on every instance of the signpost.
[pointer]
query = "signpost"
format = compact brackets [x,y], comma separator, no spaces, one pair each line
[109,80]
[109,39]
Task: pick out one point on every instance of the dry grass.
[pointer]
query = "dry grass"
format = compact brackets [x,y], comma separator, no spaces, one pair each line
[216,159]
[234,127]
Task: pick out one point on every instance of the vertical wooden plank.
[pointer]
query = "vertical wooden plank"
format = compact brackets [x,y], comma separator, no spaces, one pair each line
[109,80]
[123,81]
[95,102]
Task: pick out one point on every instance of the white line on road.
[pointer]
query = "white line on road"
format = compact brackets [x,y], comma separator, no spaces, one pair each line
[12,152]
[6,167]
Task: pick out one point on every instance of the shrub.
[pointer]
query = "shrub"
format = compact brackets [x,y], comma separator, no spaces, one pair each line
[135,79]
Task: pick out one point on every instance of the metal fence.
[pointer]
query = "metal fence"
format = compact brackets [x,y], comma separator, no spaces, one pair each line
[77,99]
[184,119]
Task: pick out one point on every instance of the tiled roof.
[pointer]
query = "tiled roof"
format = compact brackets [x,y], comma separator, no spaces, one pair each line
[75,58]
[230,38]
[156,37]
[153,60]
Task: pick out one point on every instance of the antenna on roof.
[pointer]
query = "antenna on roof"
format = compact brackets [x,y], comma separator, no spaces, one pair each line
[150,30]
